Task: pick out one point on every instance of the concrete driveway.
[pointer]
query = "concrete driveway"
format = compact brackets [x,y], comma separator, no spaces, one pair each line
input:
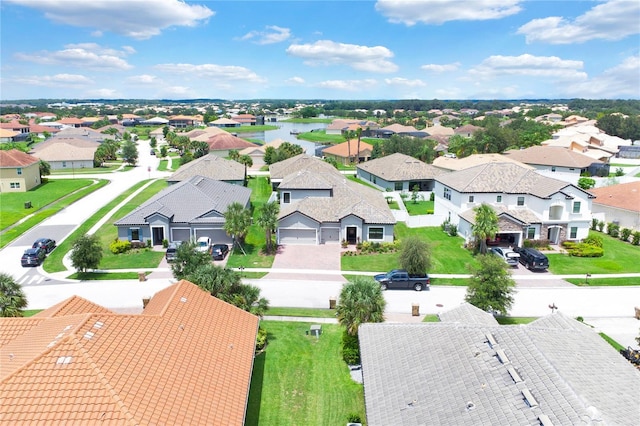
[307,259]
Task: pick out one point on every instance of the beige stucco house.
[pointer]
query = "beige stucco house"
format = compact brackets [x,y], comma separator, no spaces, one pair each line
[19,171]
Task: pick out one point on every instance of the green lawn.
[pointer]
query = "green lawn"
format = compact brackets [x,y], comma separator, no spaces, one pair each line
[612,342]
[604,282]
[394,205]
[321,137]
[431,318]
[162,167]
[447,254]
[619,257]
[515,320]
[301,312]
[106,169]
[419,207]
[96,276]
[362,182]
[301,379]
[256,240]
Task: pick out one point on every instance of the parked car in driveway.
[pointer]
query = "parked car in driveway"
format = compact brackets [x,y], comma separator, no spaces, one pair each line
[219,251]
[33,257]
[400,278]
[532,258]
[47,244]
[508,255]
[203,244]
[172,251]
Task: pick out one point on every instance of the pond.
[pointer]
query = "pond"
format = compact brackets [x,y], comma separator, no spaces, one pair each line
[284,132]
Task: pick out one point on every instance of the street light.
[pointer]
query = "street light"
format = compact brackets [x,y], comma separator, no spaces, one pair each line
[553,307]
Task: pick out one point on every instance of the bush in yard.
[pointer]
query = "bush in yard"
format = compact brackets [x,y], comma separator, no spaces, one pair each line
[415,255]
[625,233]
[594,240]
[432,196]
[86,253]
[586,250]
[354,418]
[261,339]
[586,183]
[600,225]
[119,246]
[613,229]
[594,224]
[350,348]
[635,238]
[453,231]
[165,243]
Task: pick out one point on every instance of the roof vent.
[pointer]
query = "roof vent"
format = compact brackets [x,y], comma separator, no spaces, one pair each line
[470,406]
[502,356]
[89,335]
[514,375]
[544,420]
[183,299]
[490,339]
[529,399]
[98,324]
[64,360]
[67,327]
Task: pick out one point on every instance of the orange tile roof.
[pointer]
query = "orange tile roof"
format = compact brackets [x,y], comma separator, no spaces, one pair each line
[186,360]
[224,141]
[623,196]
[342,149]
[16,158]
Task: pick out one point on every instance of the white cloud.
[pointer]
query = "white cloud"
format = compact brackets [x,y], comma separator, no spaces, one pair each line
[411,12]
[529,66]
[221,74]
[362,58]
[274,34]
[347,85]
[439,68]
[103,93]
[143,79]
[613,20]
[621,81]
[66,80]
[295,80]
[84,55]
[399,81]
[136,19]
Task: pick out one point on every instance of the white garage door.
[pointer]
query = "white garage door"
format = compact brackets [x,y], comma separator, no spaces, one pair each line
[329,235]
[297,236]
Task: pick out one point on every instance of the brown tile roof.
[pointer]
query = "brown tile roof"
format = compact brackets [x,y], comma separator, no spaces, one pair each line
[16,158]
[342,149]
[624,196]
[186,360]
[71,120]
[400,167]
[551,156]
[14,125]
[399,128]
[225,141]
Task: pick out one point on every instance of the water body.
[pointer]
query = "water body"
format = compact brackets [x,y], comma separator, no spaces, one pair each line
[284,133]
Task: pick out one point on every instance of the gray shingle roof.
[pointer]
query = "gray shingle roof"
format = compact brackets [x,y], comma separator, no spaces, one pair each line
[400,167]
[295,164]
[523,215]
[448,374]
[196,200]
[506,178]
[467,314]
[210,166]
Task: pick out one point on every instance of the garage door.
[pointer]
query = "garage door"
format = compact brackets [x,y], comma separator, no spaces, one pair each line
[218,236]
[329,235]
[180,235]
[297,236]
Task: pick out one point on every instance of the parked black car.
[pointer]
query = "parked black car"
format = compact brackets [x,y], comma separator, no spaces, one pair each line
[47,244]
[33,257]
[219,251]
[532,258]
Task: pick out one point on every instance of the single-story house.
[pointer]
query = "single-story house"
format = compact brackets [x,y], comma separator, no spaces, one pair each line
[182,121]
[618,204]
[319,205]
[203,135]
[212,167]
[184,211]
[71,122]
[187,358]
[225,122]
[528,204]
[469,370]
[67,153]
[347,152]
[19,171]
[222,143]
[551,160]
[439,130]
[466,131]
[455,164]
[8,136]
[340,125]
[399,172]
[399,129]
[155,121]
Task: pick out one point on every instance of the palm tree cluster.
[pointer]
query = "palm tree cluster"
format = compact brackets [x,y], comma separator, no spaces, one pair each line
[12,298]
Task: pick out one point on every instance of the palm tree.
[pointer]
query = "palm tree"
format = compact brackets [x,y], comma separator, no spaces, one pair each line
[347,136]
[361,301]
[237,220]
[247,161]
[485,226]
[12,298]
[358,134]
[234,154]
[268,220]
[248,298]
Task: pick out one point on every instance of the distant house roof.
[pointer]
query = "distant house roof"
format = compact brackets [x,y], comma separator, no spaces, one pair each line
[226,141]
[16,158]
[343,149]
[624,196]
[223,121]
[439,130]
[187,359]
[466,129]
[447,163]
[71,121]
[399,128]
[464,372]
[195,200]
[400,167]
[551,156]
[279,170]
[210,166]
[155,121]
[7,133]
[66,149]
[506,178]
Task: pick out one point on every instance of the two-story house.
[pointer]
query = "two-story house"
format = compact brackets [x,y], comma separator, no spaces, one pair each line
[19,171]
[319,205]
[528,204]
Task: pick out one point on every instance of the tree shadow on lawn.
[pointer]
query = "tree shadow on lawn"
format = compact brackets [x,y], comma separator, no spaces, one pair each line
[255,390]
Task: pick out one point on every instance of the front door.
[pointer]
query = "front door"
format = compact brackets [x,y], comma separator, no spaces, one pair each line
[352,233]
[157,235]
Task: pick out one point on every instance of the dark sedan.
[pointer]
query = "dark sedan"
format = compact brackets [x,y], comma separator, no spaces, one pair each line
[47,244]
[33,257]
[219,251]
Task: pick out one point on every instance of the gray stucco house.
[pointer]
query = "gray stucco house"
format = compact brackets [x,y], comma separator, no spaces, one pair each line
[210,166]
[185,211]
[399,172]
[319,205]
[469,370]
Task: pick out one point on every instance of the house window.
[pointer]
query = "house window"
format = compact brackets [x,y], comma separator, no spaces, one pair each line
[521,201]
[397,186]
[531,233]
[19,170]
[471,198]
[576,206]
[135,234]
[499,199]
[64,164]
[286,197]
[447,194]
[14,185]
[553,168]
[376,233]
[573,234]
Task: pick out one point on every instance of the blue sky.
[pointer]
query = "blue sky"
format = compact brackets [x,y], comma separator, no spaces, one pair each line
[425,49]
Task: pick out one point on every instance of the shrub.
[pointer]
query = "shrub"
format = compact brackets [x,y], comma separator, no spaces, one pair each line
[148,243]
[594,224]
[586,250]
[619,171]
[594,240]
[569,244]
[118,246]
[453,230]
[429,211]
[625,233]
[445,225]
[261,339]
[165,243]
[137,244]
[432,196]
[580,319]
[600,225]
[350,348]
[586,183]
[635,238]
[538,244]
[613,229]
[354,418]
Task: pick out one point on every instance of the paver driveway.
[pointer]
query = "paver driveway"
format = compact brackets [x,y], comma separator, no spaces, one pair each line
[323,257]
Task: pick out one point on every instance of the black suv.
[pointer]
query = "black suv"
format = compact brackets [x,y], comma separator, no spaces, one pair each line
[532,258]
[219,251]
[47,244]
[33,257]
